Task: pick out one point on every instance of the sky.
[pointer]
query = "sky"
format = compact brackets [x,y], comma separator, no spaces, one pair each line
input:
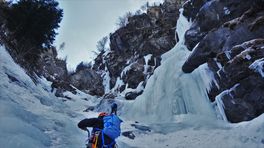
[87,21]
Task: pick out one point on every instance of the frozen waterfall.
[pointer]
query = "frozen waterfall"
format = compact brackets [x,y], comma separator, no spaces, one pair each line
[170,92]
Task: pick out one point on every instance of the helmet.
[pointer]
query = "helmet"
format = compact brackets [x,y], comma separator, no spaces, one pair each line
[102,114]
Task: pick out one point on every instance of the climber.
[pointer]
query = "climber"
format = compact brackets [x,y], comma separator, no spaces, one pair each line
[106,128]
[55,84]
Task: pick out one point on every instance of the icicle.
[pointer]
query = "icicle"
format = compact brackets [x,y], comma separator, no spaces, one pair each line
[220,105]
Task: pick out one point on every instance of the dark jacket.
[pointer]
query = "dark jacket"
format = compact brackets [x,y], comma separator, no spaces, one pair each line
[95,123]
[91,122]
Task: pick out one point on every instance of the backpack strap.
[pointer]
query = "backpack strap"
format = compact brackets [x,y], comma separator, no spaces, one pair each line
[103,142]
[94,141]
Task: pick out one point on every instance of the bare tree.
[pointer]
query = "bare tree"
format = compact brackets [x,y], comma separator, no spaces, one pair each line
[62,46]
[123,20]
[145,6]
[138,12]
[83,66]
[101,44]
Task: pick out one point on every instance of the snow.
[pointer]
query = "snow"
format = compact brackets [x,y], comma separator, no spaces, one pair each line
[106,74]
[258,66]
[219,65]
[118,84]
[138,89]
[220,105]
[106,80]
[218,17]
[248,57]
[33,117]
[146,66]
[127,68]
[226,11]
[219,102]
[182,135]
[140,86]
[227,53]
[245,53]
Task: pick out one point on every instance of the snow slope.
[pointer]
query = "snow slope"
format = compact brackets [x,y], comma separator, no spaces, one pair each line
[199,135]
[31,116]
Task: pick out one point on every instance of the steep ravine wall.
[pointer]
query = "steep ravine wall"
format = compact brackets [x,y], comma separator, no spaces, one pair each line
[229,37]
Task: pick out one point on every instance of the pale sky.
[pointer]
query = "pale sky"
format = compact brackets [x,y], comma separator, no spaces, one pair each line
[87,21]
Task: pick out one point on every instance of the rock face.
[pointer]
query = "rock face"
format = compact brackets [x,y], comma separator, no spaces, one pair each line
[88,81]
[245,100]
[212,14]
[51,67]
[136,48]
[54,70]
[192,7]
[229,37]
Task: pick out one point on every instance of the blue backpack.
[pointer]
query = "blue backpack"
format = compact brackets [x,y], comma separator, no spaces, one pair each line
[112,126]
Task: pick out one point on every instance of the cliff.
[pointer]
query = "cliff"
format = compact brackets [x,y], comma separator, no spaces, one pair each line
[136,49]
[228,36]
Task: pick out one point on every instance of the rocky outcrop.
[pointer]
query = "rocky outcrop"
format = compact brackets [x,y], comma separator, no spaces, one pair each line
[88,81]
[236,64]
[229,37]
[212,15]
[136,48]
[134,75]
[54,70]
[245,100]
[51,67]
[192,7]
[133,95]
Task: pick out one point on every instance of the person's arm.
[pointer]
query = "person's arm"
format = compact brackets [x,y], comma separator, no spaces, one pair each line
[92,122]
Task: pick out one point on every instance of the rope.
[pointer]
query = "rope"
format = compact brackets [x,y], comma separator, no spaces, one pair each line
[96,140]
